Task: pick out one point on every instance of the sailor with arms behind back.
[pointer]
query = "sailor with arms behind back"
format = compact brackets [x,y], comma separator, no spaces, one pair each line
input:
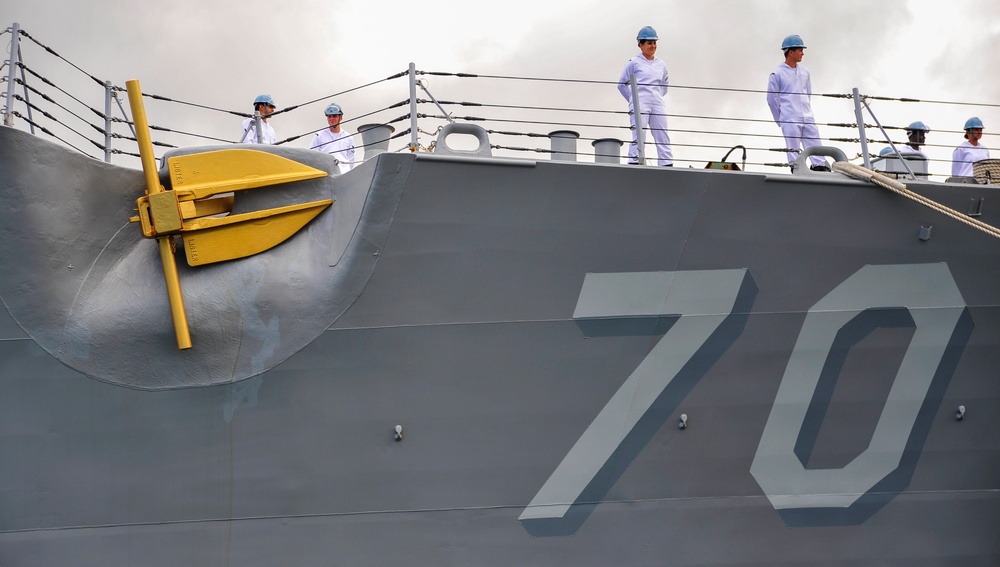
[651,81]
[789,90]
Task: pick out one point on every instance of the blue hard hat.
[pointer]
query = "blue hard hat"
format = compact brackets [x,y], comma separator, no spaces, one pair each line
[264,99]
[647,32]
[917,126]
[973,122]
[885,151]
[792,41]
[333,109]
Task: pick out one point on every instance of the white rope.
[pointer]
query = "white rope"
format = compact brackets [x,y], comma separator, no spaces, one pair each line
[864,174]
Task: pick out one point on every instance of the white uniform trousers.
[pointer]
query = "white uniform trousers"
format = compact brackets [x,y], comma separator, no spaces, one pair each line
[798,135]
[656,120]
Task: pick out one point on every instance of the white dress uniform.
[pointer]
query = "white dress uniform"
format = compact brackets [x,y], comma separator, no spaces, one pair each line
[788,92]
[964,156]
[250,133]
[903,149]
[651,82]
[338,144]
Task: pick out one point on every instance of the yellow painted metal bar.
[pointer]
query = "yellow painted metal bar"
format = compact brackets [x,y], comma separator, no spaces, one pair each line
[206,207]
[142,137]
[174,292]
[263,218]
[153,186]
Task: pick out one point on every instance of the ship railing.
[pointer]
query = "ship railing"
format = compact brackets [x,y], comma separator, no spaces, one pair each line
[524,116]
[735,132]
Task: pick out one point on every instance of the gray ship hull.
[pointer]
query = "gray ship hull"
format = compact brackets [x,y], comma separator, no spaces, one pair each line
[537,329]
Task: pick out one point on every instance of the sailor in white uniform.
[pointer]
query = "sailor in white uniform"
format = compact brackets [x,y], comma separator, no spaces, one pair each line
[264,105]
[335,140]
[651,81]
[916,134]
[970,151]
[788,92]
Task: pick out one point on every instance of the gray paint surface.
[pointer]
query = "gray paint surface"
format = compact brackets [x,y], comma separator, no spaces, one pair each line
[700,300]
[464,333]
[82,276]
[934,307]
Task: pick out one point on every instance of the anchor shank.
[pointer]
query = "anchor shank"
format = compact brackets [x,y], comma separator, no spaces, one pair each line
[153,186]
[174,292]
[142,137]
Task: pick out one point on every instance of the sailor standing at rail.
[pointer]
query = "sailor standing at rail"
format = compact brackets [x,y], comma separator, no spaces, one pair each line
[651,81]
[335,140]
[263,105]
[916,134]
[969,151]
[788,95]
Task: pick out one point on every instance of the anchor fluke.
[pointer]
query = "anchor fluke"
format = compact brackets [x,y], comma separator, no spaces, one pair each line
[246,234]
[201,175]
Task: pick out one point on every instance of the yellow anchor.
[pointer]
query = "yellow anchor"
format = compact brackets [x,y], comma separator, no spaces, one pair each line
[190,208]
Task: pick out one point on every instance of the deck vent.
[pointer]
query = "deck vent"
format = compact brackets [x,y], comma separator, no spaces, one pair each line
[375,138]
[607,150]
[563,145]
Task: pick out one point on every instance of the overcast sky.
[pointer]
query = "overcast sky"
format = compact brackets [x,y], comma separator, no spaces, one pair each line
[222,53]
